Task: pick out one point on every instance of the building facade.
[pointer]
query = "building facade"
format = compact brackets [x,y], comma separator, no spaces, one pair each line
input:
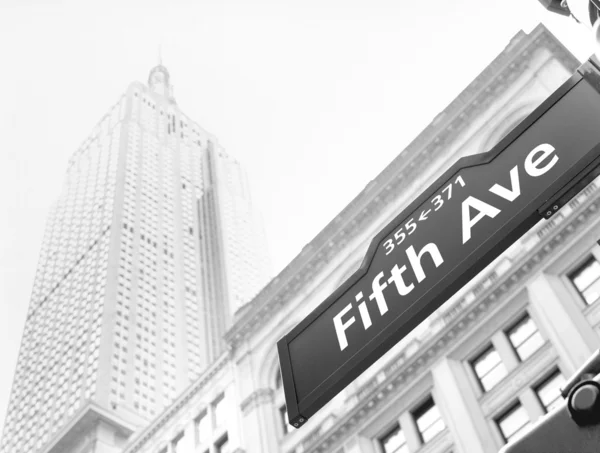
[121,318]
[476,373]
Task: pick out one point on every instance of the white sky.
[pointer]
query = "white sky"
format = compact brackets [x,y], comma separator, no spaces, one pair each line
[314,97]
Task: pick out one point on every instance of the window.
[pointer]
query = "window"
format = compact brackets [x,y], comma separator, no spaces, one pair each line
[202,428]
[525,337]
[182,444]
[279,405]
[587,280]
[513,421]
[394,441]
[548,391]
[429,421]
[221,410]
[175,445]
[222,446]
[489,368]
[284,419]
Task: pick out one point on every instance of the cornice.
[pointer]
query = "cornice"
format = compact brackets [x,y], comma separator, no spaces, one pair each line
[406,369]
[395,178]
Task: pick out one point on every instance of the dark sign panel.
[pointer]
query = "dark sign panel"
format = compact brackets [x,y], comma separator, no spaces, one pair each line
[459,225]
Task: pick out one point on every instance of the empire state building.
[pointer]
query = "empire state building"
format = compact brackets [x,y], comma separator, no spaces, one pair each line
[151,247]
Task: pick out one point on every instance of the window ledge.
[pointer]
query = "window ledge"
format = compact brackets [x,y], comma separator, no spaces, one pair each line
[441,443]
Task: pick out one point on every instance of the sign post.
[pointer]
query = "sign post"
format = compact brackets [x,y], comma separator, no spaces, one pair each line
[460,224]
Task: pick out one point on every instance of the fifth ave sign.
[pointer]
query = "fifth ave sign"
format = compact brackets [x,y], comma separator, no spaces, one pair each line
[460,224]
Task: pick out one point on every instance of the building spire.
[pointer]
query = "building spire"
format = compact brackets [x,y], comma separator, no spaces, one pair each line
[159,79]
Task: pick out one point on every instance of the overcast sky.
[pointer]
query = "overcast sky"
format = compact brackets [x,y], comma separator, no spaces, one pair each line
[314,97]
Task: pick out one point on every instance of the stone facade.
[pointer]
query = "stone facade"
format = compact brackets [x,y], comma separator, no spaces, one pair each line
[436,360]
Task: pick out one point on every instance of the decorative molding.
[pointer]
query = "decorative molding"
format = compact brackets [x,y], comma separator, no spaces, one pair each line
[257,398]
[396,177]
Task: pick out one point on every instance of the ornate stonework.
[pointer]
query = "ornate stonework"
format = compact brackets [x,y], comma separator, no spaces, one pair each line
[394,179]
[257,398]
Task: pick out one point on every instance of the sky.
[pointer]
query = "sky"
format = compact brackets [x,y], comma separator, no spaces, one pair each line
[314,98]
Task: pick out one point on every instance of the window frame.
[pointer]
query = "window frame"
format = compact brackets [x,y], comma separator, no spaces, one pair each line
[202,415]
[590,258]
[554,371]
[425,406]
[175,441]
[395,428]
[514,326]
[280,406]
[516,405]
[478,356]
[222,440]
[283,418]
[216,409]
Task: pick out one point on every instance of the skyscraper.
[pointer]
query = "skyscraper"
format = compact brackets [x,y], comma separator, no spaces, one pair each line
[233,258]
[151,246]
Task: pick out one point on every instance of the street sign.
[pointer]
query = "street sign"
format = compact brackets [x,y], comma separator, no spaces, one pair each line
[456,227]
